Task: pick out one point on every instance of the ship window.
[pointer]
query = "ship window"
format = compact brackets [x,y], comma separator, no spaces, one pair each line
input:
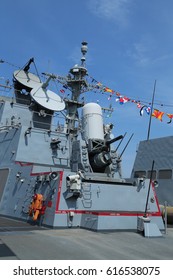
[139,174]
[165,174]
[153,174]
[3,176]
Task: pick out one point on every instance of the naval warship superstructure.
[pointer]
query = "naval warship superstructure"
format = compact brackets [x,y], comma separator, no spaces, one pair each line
[161,151]
[68,175]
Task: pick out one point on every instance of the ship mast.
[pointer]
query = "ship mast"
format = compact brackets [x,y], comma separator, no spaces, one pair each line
[76,82]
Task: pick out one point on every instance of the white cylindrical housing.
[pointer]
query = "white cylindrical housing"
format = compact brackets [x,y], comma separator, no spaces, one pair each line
[92,122]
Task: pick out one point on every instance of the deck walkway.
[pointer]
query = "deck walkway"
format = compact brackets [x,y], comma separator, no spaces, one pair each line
[22,241]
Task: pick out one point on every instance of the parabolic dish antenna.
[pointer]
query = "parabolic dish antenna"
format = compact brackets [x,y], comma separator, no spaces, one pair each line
[27,79]
[47,98]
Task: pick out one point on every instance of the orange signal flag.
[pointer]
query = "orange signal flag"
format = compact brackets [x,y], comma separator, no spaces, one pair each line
[108,89]
[170,116]
[157,114]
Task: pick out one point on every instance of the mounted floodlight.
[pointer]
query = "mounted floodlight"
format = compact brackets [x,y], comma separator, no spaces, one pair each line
[53,176]
[74,183]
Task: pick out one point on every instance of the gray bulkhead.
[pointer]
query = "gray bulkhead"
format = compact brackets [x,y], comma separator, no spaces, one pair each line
[26,153]
[161,151]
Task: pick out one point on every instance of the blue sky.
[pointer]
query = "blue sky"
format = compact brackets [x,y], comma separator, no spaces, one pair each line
[130,45]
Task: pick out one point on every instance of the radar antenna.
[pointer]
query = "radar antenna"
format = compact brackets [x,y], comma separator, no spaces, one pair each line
[84,50]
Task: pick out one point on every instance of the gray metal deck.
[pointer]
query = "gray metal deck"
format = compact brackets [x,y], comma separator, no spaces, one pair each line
[22,241]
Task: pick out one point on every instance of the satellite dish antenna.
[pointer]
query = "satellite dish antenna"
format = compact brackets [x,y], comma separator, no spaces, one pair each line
[47,98]
[26,78]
